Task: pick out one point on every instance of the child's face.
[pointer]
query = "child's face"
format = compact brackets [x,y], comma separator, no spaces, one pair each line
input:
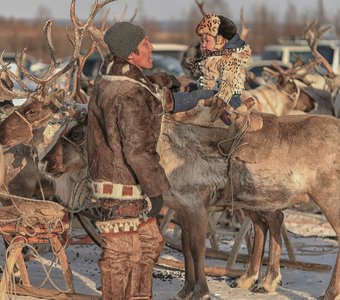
[207,42]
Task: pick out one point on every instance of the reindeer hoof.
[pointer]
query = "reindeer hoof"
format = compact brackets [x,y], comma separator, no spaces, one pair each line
[183,295]
[260,290]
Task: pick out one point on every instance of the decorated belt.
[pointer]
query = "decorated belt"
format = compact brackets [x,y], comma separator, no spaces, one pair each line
[118,209]
[104,189]
[119,225]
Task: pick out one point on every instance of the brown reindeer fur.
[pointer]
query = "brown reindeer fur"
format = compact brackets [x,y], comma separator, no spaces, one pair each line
[34,113]
[20,172]
[303,161]
[291,159]
[66,166]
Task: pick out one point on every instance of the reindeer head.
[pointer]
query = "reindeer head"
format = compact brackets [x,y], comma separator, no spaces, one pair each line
[68,153]
[34,113]
[288,83]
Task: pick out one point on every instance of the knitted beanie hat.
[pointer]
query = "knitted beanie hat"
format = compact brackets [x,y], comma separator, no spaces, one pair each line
[123,38]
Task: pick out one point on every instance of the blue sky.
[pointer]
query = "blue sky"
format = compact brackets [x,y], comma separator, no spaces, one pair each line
[153,9]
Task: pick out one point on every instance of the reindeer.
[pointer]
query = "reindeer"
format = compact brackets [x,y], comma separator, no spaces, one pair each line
[266,173]
[263,220]
[332,80]
[291,92]
[22,132]
[65,164]
[65,157]
[208,177]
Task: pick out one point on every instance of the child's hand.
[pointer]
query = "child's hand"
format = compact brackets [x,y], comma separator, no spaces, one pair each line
[217,108]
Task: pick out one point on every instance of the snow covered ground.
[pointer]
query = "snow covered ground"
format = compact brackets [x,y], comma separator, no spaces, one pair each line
[297,284]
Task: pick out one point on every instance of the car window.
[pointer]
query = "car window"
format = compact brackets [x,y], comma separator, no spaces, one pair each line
[175,54]
[161,63]
[167,64]
[304,55]
[257,70]
[272,55]
[92,65]
[327,53]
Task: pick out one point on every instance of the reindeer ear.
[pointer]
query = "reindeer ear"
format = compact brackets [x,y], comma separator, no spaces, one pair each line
[55,100]
[280,79]
[59,95]
[6,80]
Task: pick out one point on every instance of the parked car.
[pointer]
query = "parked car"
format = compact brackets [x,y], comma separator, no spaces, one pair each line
[166,58]
[287,52]
[168,64]
[9,57]
[169,49]
[257,69]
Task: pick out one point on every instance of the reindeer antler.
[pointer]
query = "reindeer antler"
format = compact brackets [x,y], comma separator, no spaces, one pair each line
[97,36]
[313,34]
[6,86]
[244,29]
[13,76]
[49,76]
[200,4]
[79,30]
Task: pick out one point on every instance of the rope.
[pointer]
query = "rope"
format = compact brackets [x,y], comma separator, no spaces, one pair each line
[49,225]
[37,174]
[294,96]
[24,219]
[236,143]
[47,271]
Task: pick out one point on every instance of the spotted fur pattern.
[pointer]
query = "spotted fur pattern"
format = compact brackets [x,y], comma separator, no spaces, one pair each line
[226,72]
[209,25]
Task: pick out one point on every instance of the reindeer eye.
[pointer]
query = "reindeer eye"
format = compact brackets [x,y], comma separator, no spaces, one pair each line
[31,113]
[76,135]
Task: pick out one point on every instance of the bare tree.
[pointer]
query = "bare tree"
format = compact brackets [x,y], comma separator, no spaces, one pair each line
[321,13]
[265,28]
[43,14]
[337,23]
[293,25]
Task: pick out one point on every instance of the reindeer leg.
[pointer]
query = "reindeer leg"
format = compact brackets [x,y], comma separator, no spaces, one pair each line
[273,275]
[252,273]
[333,289]
[189,282]
[331,211]
[199,226]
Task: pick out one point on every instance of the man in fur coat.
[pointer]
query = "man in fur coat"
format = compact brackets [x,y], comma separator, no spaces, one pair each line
[124,121]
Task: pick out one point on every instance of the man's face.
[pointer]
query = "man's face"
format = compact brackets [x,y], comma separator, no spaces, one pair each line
[143,59]
[207,42]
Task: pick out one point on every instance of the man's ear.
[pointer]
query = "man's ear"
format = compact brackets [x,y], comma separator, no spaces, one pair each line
[131,57]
